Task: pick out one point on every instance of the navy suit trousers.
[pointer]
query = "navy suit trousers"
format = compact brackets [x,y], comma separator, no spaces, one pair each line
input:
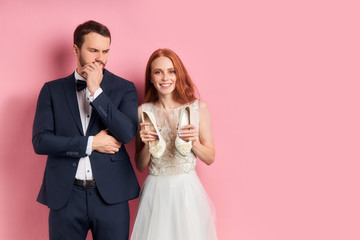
[85,211]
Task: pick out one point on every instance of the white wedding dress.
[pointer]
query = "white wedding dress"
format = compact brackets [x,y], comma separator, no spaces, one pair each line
[173,205]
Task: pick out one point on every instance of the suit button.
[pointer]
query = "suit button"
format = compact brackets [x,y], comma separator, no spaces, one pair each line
[74,164]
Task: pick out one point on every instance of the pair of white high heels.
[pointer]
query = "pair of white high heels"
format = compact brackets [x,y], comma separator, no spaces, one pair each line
[157,148]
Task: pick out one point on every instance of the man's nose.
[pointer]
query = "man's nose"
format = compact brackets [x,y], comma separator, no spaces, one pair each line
[100,56]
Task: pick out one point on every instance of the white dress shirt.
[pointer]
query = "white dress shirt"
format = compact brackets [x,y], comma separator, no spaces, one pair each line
[84,171]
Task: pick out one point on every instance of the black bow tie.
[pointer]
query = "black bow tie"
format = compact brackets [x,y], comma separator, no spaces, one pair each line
[80,85]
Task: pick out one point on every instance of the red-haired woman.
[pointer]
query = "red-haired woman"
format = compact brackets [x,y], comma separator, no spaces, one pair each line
[175,129]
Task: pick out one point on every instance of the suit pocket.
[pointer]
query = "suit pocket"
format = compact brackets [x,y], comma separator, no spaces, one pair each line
[119,156]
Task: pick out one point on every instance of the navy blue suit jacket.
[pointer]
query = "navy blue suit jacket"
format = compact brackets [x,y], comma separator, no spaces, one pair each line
[57,132]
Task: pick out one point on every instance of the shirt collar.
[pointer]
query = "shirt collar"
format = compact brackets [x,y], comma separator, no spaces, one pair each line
[78,76]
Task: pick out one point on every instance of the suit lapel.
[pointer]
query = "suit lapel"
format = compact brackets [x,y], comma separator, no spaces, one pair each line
[94,116]
[70,93]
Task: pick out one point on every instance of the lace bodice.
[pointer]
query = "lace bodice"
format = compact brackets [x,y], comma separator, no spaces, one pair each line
[171,162]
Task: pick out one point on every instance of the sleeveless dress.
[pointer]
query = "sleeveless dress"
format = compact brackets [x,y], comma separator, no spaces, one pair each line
[173,203]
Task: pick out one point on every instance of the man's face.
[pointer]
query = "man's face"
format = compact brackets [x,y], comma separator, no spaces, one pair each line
[94,49]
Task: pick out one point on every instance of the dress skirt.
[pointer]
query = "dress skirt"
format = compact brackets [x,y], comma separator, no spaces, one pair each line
[174,207]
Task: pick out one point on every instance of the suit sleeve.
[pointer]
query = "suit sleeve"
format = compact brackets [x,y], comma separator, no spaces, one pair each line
[122,120]
[44,139]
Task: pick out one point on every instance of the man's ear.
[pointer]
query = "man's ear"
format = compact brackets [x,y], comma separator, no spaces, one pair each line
[76,50]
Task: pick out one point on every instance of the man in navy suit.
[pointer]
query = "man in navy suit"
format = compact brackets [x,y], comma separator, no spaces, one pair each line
[81,123]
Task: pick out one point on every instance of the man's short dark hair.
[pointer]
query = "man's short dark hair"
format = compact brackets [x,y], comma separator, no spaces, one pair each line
[88,27]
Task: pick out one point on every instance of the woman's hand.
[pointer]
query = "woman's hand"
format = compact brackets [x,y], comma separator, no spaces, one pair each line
[189,133]
[147,136]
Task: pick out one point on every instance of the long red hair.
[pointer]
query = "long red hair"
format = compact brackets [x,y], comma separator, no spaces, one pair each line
[184,91]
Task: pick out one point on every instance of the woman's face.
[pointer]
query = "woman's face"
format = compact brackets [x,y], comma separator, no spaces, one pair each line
[163,75]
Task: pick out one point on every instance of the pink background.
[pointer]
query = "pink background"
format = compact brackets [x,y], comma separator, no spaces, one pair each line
[281,79]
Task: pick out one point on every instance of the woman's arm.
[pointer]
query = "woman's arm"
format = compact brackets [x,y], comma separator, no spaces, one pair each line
[204,147]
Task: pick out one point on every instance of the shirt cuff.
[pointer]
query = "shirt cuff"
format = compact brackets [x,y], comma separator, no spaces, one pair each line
[89,145]
[96,94]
